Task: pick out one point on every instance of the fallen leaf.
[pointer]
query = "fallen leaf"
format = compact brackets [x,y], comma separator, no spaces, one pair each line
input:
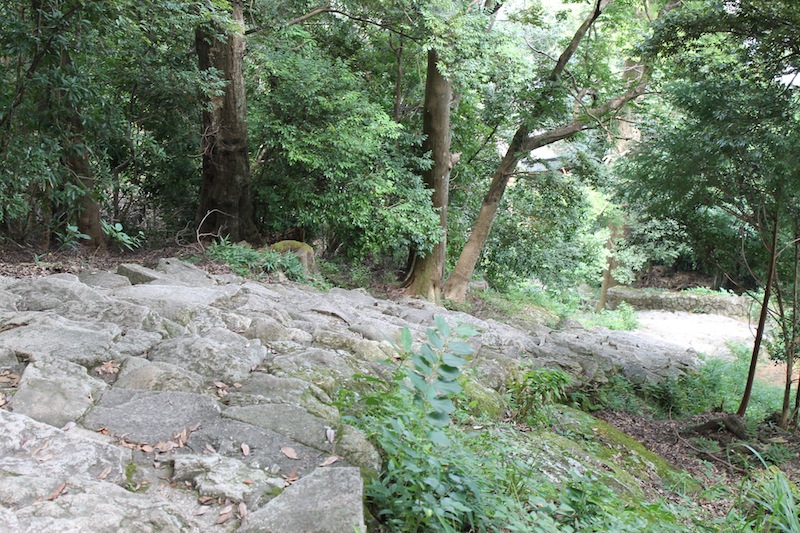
[289,452]
[69,425]
[220,385]
[221,519]
[330,460]
[210,449]
[166,446]
[146,448]
[330,434]
[227,509]
[242,509]
[104,474]
[6,376]
[103,431]
[58,490]
[292,477]
[195,427]
[205,499]
[108,367]
[245,449]
[237,385]
[45,458]
[248,481]
[41,448]
[203,509]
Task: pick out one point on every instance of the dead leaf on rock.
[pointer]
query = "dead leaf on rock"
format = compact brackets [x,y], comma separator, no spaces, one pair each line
[245,449]
[205,499]
[146,448]
[289,452]
[57,492]
[292,477]
[104,474]
[330,460]
[9,378]
[103,431]
[195,427]
[221,519]
[227,509]
[45,458]
[248,481]
[330,434]
[210,449]
[165,446]
[41,447]
[220,385]
[242,509]
[69,425]
[203,509]
[107,368]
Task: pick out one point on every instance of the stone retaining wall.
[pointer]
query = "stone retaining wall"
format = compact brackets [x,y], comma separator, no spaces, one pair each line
[715,304]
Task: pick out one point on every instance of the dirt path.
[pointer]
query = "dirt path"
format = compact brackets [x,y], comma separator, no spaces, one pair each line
[708,334]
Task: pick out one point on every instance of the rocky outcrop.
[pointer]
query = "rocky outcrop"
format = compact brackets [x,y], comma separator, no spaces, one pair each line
[168,399]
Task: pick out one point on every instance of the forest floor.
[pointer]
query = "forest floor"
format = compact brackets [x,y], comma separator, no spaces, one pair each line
[711,464]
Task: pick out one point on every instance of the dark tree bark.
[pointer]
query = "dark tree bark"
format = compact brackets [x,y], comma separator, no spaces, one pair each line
[226,207]
[428,273]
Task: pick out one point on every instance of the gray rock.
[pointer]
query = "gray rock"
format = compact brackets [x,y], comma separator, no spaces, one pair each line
[32,449]
[50,292]
[330,500]
[218,354]
[175,302]
[140,374]
[179,270]
[227,436]
[103,280]
[54,391]
[138,274]
[145,417]
[9,301]
[286,419]
[39,335]
[104,508]
[223,477]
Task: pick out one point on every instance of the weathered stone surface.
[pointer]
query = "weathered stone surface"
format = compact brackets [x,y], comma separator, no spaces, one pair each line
[50,292]
[32,449]
[141,374]
[223,477]
[218,354]
[286,419]
[175,302]
[227,436]
[9,301]
[104,508]
[138,274]
[146,417]
[55,391]
[175,269]
[36,335]
[330,500]
[103,280]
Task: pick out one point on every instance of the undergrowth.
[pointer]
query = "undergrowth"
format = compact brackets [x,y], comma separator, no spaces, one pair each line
[252,262]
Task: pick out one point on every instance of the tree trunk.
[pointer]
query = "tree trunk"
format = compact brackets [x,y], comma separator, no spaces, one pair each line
[77,162]
[428,274]
[226,208]
[762,321]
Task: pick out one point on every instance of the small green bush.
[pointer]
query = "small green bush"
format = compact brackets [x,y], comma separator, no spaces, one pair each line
[251,262]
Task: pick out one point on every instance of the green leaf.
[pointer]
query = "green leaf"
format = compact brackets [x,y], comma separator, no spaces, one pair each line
[427,352]
[448,372]
[460,348]
[466,330]
[453,360]
[443,405]
[438,419]
[442,326]
[419,382]
[435,340]
[405,340]
[438,437]
[447,387]
[421,365]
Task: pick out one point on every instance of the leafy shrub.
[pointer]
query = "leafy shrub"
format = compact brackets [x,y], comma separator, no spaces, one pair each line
[117,235]
[533,392]
[773,503]
[250,262]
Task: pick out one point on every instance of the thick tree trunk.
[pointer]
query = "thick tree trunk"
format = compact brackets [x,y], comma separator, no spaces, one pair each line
[428,274]
[226,208]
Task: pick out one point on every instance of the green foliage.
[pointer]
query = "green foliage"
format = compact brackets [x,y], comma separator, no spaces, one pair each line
[532,393]
[543,231]
[70,238]
[251,262]
[773,501]
[117,235]
[621,318]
